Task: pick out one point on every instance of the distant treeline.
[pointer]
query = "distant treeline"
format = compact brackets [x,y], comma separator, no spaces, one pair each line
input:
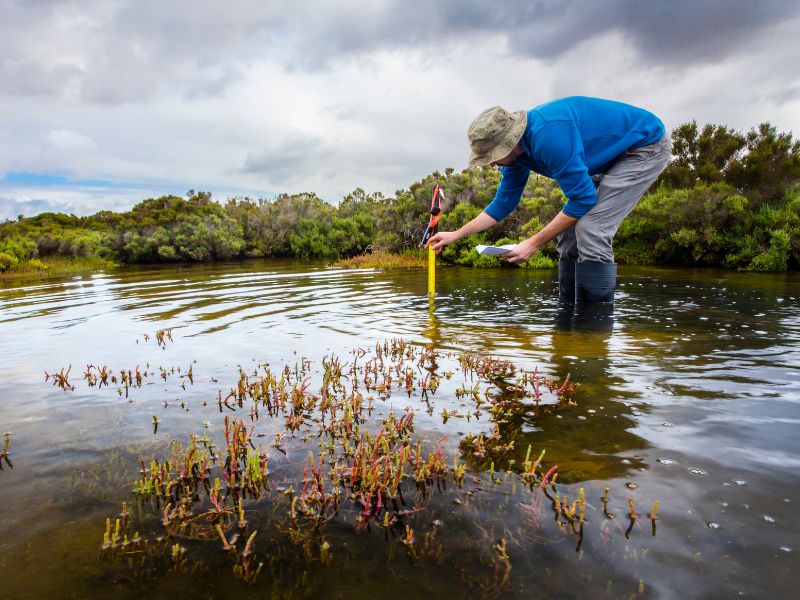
[727,199]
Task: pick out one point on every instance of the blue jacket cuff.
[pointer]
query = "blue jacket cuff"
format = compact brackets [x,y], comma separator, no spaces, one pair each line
[495,211]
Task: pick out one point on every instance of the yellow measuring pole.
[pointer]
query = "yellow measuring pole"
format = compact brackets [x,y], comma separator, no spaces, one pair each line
[431,271]
[433,228]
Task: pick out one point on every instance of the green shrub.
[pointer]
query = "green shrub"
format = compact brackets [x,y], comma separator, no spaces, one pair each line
[776,258]
[38,265]
[471,258]
[167,253]
[635,252]
[19,246]
[8,261]
[539,261]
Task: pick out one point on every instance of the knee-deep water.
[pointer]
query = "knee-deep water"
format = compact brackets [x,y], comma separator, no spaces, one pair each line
[687,394]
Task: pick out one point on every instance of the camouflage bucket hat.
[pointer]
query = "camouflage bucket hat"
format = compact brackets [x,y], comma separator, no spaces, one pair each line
[494,133]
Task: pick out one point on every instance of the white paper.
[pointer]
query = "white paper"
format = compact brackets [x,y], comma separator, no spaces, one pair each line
[494,250]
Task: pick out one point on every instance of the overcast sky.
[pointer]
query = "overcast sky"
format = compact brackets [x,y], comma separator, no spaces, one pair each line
[106,102]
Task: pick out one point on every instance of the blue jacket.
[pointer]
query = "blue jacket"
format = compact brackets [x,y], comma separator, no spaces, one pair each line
[570,140]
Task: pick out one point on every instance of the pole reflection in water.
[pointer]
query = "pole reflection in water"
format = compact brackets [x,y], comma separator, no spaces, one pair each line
[432,331]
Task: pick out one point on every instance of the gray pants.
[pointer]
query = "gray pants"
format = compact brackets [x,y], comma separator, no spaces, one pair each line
[618,191]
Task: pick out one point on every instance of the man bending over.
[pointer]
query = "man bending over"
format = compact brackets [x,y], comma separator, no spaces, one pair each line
[603,154]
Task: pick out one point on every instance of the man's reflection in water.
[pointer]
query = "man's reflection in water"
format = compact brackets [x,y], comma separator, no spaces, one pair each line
[591,439]
[586,318]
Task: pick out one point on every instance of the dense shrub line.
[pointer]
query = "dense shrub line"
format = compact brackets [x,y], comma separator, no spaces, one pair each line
[728,199]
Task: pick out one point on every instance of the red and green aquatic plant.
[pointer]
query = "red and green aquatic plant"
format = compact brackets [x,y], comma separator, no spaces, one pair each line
[4,453]
[368,473]
[61,379]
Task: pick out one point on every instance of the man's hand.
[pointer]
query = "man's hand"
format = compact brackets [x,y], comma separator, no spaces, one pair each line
[442,239]
[522,252]
[526,249]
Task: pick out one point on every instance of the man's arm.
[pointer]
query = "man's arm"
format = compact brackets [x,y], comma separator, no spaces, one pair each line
[506,199]
[526,249]
[509,192]
[443,238]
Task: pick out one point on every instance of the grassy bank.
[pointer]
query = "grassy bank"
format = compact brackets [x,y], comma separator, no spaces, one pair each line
[385,260]
[54,266]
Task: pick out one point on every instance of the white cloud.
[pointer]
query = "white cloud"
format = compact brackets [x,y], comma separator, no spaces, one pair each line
[244,99]
[69,141]
[34,199]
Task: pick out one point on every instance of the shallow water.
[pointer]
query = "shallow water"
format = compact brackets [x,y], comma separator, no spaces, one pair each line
[690,392]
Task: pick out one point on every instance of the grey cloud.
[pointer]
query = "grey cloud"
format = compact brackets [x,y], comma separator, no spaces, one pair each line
[663,32]
[785,96]
[128,51]
[132,50]
[285,162]
[214,83]
[196,49]
[29,78]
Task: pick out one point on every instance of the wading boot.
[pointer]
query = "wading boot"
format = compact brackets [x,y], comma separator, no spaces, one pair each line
[566,294]
[595,282]
[594,296]
[566,281]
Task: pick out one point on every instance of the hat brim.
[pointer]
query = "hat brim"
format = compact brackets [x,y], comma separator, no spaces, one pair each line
[504,148]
